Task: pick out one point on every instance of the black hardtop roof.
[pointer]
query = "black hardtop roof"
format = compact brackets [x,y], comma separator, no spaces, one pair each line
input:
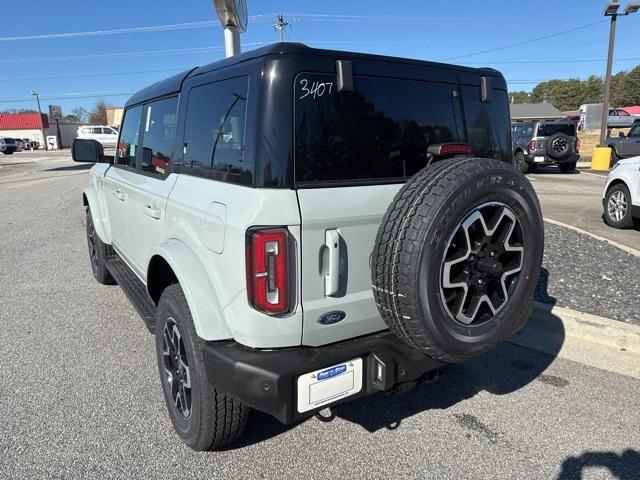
[174,83]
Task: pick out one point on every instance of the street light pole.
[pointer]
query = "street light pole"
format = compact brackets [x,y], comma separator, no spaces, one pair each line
[44,137]
[611,10]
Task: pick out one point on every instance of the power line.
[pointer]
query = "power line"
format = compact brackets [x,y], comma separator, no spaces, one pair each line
[542,62]
[121,55]
[152,28]
[67,97]
[525,42]
[100,74]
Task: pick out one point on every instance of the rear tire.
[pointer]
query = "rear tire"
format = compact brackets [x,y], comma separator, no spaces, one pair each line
[7,153]
[417,244]
[204,417]
[567,167]
[520,163]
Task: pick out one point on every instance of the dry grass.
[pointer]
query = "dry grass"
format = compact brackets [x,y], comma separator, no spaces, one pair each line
[588,141]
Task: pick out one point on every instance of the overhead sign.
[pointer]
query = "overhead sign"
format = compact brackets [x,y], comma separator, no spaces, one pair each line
[55,111]
[232,13]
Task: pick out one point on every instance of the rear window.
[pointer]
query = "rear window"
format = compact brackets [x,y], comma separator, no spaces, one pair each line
[548,129]
[382,129]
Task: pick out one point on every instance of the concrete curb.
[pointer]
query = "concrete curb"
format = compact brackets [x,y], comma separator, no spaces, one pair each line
[588,339]
[593,328]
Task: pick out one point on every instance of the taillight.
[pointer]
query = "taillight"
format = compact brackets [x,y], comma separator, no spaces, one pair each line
[268,269]
[532,145]
[577,145]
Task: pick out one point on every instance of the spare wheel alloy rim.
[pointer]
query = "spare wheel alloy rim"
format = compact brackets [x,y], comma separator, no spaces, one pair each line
[481,264]
[176,367]
[560,145]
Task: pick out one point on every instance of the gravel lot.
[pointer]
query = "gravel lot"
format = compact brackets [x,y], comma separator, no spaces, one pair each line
[589,275]
[80,394]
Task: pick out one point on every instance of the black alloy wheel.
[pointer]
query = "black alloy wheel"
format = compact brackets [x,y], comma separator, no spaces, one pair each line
[482,261]
[176,368]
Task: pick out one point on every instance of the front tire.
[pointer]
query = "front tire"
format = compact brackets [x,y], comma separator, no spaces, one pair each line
[8,152]
[617,207]
[204,417]
[97,254]
[520,162]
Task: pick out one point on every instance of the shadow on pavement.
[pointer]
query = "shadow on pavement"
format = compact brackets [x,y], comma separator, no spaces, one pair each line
[541,293]
[623,467]
[79,166]
[504,370]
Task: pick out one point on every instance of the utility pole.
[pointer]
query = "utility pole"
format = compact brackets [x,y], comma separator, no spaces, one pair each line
[611,10]
[280,25]
[44,137]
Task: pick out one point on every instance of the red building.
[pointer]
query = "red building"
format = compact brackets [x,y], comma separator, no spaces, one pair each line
[23,125]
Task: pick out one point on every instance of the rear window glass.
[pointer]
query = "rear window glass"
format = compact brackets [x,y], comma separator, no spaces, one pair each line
[383,128]
[548,129]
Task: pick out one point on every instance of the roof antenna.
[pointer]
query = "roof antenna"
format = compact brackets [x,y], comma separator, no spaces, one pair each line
[280,25]
[233,18]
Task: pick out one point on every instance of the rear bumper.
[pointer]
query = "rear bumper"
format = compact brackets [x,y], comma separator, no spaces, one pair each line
[266,380]
[550,160]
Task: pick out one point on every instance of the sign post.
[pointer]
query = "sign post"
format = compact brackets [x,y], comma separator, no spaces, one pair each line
[233,17]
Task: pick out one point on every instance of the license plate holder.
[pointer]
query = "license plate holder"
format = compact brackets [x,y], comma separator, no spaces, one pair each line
[329,384]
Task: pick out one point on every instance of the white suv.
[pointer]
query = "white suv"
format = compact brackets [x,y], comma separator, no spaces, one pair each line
[107,136]
[303,227]
[621,194]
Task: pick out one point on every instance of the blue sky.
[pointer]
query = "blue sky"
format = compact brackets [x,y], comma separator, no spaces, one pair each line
[111,66]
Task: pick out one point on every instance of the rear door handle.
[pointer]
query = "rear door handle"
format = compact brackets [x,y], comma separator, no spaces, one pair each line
[120,195]
[151,211]
[332,279]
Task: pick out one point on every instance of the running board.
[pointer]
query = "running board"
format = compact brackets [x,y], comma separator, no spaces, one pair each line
[134,290]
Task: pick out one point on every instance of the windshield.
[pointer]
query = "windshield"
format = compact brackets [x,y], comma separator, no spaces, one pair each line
[548,129]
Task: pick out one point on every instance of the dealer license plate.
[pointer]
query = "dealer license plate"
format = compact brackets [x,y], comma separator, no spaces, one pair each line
[329,384]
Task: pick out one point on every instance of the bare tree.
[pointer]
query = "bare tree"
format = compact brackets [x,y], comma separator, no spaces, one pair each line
[79,113]
[98,115]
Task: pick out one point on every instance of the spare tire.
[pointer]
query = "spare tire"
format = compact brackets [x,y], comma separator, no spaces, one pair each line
[559,145]
[457,257]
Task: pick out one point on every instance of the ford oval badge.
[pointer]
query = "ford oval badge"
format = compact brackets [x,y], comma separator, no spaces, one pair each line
[332,317]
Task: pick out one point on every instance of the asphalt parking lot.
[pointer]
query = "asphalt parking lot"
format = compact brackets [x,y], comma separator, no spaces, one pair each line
[82,399]
[576,199]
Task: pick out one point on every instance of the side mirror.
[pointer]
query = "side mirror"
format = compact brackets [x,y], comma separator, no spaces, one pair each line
[621,134]
[87,150]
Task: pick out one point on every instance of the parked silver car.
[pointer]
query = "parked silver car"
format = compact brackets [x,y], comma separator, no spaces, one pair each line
[619,118]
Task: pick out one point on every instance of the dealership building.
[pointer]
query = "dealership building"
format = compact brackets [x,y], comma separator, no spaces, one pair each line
[23,125]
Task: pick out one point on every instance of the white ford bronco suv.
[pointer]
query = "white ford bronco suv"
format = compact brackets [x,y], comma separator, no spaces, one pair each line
[302,227]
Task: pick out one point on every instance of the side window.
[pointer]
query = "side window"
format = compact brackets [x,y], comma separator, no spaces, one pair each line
[634,132]
[215,128]
[86,130]
[97,131]
[159,134]
[127,144]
